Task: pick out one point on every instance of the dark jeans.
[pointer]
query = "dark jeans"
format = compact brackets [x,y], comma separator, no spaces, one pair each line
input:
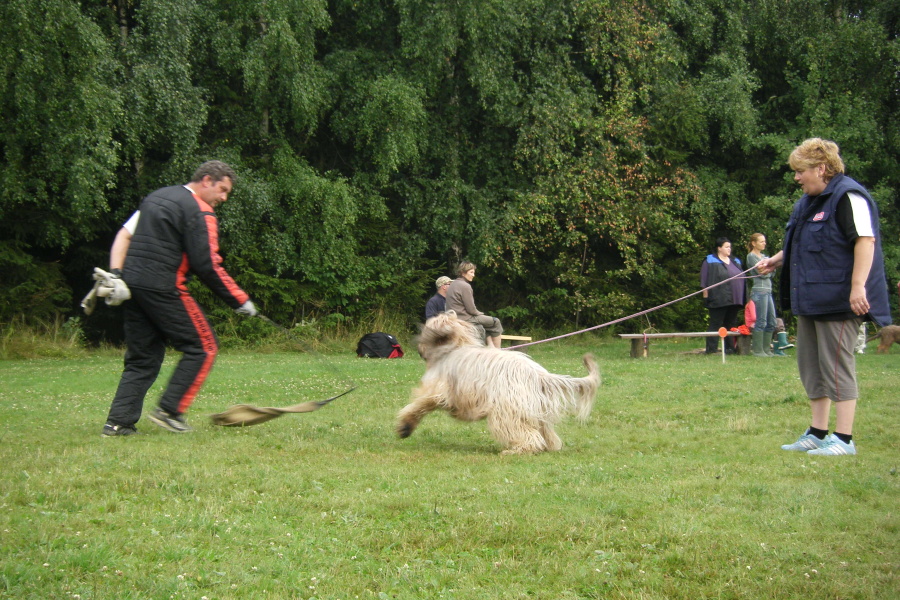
[724,316]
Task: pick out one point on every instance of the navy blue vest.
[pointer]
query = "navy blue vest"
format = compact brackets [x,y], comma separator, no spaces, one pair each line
[818,258]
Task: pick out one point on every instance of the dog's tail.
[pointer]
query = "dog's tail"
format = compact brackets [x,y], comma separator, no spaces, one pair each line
[588,388]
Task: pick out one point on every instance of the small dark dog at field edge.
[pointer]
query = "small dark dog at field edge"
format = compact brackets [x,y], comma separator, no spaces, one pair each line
[888,335]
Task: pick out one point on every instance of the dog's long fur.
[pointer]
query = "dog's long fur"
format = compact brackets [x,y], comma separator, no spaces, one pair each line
[520,399]
[888,335]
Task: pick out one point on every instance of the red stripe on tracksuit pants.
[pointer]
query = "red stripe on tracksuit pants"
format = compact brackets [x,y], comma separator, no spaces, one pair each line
[210,347]
[150,319]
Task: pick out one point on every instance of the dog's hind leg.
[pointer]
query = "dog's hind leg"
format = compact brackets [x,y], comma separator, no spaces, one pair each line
[413,413]
[518,437]
[552,440]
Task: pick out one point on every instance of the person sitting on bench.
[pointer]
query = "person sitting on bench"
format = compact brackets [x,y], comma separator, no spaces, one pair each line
[437,303]
[461,300]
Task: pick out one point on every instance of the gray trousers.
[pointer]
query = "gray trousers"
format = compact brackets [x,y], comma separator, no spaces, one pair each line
[826,359]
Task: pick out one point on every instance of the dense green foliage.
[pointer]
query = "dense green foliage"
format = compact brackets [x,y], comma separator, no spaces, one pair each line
[584,153]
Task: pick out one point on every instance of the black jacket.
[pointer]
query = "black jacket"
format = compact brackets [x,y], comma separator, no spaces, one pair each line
[713,271]
[178,234]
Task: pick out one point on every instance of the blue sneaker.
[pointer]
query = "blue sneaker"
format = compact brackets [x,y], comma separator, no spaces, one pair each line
[806,443]
[833,446]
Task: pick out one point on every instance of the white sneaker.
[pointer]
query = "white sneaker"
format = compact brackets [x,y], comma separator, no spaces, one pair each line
[805,443]
[833,446]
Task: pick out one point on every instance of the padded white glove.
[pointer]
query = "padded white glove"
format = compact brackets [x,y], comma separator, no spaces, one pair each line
[247,308]
[112,287]
[119,294]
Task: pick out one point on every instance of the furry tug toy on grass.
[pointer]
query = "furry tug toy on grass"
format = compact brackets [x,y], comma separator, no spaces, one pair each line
[520,399]
[242,415]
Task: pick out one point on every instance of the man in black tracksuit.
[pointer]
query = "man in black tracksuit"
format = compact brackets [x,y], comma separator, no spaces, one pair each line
[173,234]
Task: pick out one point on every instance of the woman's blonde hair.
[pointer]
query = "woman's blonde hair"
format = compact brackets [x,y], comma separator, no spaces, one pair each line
[814,152]
[753,239]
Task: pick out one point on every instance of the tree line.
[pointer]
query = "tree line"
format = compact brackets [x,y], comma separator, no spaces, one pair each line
[583,153]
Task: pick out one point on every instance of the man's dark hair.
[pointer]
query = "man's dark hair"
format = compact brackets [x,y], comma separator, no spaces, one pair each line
[215,169]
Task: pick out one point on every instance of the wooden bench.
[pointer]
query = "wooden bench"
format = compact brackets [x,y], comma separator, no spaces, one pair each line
[514,338]
[640,342]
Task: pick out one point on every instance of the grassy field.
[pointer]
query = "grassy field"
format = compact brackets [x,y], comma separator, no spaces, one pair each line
[675,488]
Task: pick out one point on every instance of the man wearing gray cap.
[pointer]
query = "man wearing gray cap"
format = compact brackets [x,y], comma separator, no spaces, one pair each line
[438,301]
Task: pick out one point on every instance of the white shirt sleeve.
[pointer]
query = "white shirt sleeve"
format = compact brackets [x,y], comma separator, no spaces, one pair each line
[131,223]
[862,217]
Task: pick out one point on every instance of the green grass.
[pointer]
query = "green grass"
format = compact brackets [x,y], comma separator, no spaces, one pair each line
[675,488]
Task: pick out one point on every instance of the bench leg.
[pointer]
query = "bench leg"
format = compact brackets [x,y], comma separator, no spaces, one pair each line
[640,348]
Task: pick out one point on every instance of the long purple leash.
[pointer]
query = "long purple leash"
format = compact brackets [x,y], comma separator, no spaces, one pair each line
[637,314]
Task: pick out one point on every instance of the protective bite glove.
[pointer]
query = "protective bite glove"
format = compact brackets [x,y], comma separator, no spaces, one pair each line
[111,286]
[106,285]
[247,309]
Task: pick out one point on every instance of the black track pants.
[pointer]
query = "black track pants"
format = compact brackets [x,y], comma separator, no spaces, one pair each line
[151,320]
[724,316]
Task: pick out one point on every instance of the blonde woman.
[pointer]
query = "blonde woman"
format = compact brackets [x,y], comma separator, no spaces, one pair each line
[833,280]
[761,294]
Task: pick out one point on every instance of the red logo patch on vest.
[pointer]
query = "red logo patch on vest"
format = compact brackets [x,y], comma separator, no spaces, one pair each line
[819,216]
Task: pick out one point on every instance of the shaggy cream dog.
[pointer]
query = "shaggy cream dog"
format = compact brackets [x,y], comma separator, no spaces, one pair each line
[520,399]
